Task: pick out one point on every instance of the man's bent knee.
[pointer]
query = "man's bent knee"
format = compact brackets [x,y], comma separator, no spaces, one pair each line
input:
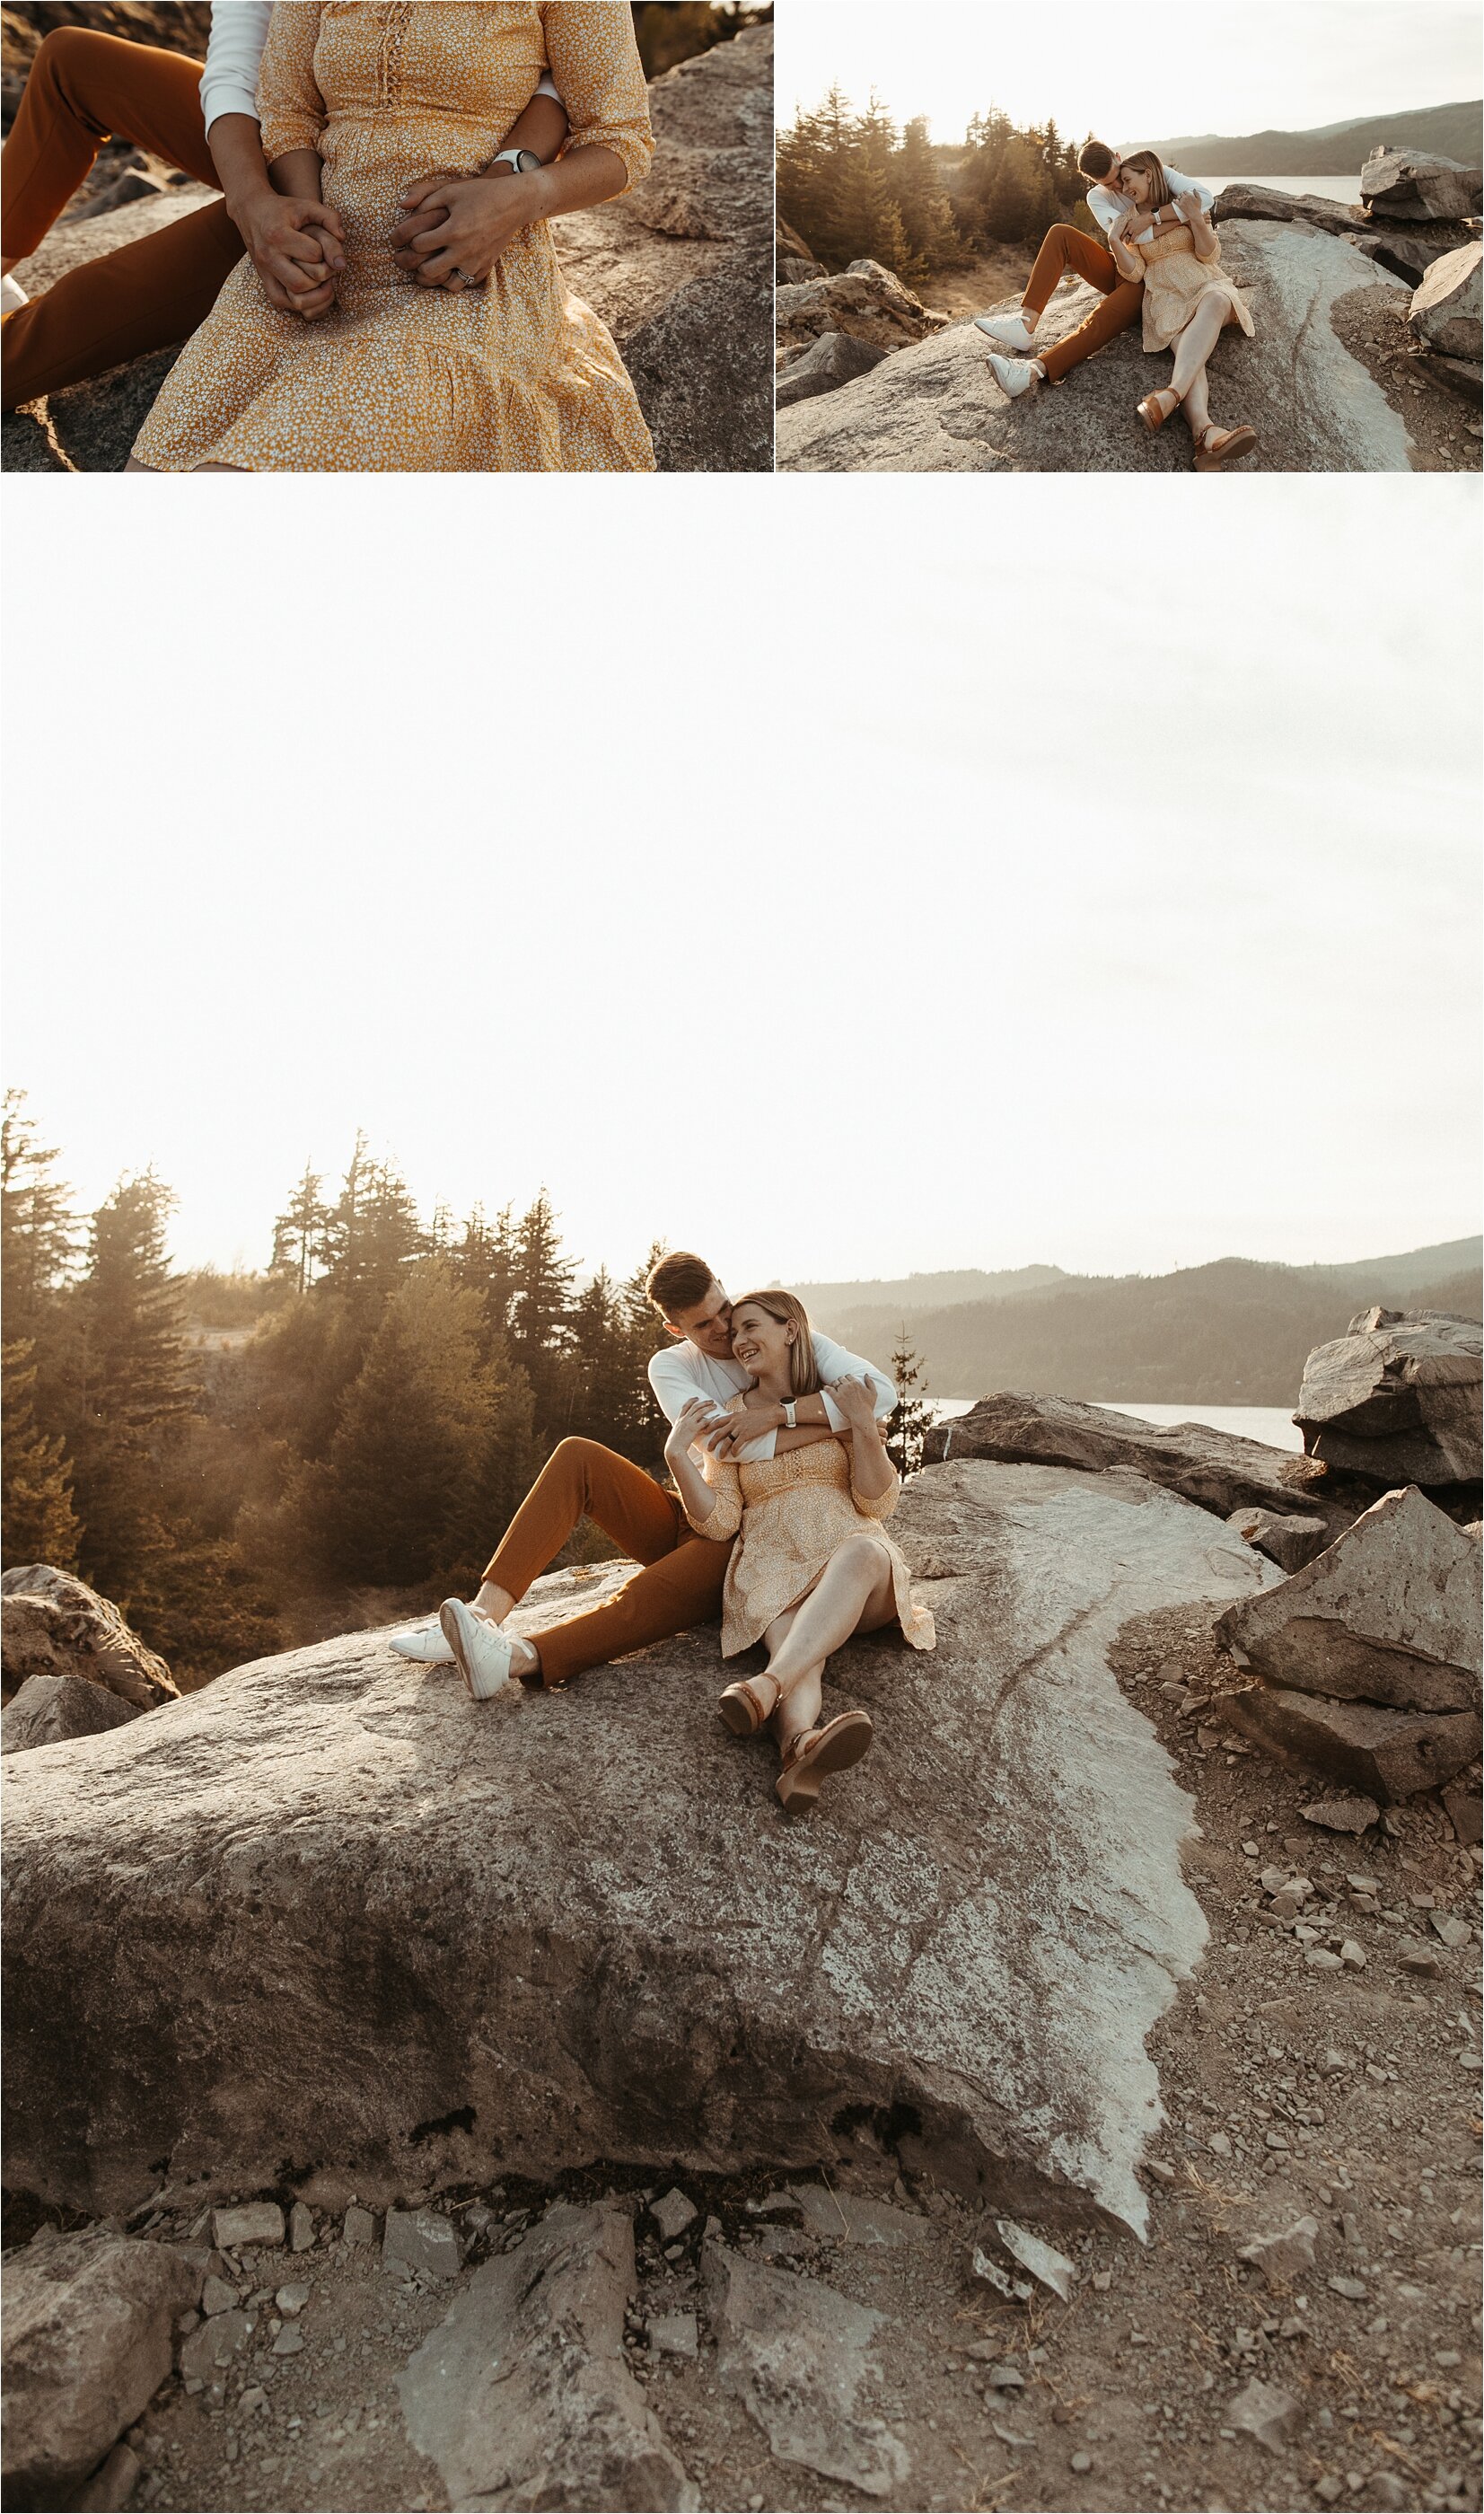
[66,56]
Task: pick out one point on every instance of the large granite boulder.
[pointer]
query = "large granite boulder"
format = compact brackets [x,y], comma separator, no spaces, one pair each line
[329,1913]
[680,270]
[937,407]
[835,358]
[48,1710]
[87,2344]
[1397,1397]
[1408,250]
[866,302]
[1384,1754]
[1389,1613]
[1220,1470]
[51,1624]
[1446,312]
[1407,184]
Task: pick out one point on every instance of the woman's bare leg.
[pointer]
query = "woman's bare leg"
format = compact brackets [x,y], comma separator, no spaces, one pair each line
[854,1593]
[1197,406]
[1199,339]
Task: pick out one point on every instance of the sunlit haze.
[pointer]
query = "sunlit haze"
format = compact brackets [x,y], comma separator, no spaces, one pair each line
[1160,72]
[1087,877]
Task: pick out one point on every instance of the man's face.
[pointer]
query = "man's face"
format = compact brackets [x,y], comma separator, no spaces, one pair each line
[1113,178]
[709,1326]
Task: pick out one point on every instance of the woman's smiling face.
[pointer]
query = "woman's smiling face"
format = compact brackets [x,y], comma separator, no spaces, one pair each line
[759,1342]
[1135,183]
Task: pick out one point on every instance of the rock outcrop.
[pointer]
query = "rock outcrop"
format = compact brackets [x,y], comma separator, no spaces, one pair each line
[938,408]
[1446,312]
[1407,184]
[1406,248]
[1389,1614]
[522,2396]
[327,1912]
[835,358]
[797,2356]
[51,1624]
[865,302]
[87,2344]
[1220,1470]
[50,1709]
[1388,1754]
[1398,1398]
[680,270]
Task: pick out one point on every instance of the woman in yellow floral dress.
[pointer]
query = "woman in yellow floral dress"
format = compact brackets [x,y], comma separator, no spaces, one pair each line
[1188,301]
[813,1563]
[361,99]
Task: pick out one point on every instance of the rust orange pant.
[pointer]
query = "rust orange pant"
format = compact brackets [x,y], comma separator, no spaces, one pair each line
[83,89]
[681,1581]
[1069,249]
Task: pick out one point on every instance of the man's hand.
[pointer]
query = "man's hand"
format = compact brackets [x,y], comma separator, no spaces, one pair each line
[297,249]
[857,1402]
[454,228]
[725,1438]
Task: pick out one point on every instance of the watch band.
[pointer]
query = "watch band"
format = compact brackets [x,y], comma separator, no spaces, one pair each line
[792,1415]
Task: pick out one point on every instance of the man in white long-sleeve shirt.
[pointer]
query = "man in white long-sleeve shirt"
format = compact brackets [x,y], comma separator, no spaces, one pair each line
[681,1580]
[1070,249]
[85,88]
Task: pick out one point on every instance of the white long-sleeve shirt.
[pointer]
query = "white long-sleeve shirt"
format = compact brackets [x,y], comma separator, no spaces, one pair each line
[234,57]
[1106,205]
[680,1373]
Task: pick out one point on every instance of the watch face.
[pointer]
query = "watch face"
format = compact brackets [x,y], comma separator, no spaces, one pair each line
[526,161]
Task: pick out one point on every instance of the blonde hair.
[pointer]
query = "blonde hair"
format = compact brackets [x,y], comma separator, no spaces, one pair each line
[789,1311]
[1145,162]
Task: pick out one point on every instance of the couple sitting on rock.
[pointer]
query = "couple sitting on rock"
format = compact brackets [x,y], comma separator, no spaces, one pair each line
[783,1481]
[379,289]
[1161,257]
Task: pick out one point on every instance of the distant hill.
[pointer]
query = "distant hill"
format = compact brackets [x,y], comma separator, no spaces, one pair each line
[1334,147]
[927,1291]
[1232,1333]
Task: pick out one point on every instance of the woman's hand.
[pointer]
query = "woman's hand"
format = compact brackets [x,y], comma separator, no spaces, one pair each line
[688,1427]
[857,1402]
[1190,206]
[454,228]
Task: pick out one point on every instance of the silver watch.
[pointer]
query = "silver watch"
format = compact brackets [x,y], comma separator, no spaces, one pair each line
[523,161]
[792,1415]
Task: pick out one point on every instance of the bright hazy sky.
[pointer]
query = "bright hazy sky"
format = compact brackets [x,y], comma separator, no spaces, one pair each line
[1159,71]
[806,870]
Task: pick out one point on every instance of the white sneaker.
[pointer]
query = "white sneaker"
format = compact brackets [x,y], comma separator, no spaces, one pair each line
[1013,376]
[12,296]
[426,1644]
[481,1651]
[1009,330]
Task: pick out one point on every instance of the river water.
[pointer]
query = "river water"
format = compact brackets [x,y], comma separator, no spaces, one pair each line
[1272,1424]
[1329,188]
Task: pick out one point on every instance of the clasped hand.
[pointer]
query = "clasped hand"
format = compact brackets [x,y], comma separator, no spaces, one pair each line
[454,227]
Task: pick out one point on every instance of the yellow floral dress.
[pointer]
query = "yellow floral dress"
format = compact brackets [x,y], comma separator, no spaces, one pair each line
[793,1513]
[1175,279]
[516,376]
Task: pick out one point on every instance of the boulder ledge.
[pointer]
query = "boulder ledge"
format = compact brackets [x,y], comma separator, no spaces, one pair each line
[328,1914]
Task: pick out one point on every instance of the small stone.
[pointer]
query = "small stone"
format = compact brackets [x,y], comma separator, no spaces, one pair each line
[1334,2061]
[674,2334]
[1264,2412]
[1044,2262]
[1322,1959]
[1282,2257]
[261,2221]
[215,2344]
[1005,2379]
[1081,2463]
[1352,1955]
[1453,1931]
[711,2229]
[673,2213]
[360,2226]
[1341,1815]
[1356,2288]
[1415,1958]
[300,2227]
[1103,2279]
[1161,2172]
[288,2341]
[420,2239]
[251,2399]
[1329,2488]
[1251,1850]
[478,2217]
[292,2300]
[1219,2143]
[217,2297]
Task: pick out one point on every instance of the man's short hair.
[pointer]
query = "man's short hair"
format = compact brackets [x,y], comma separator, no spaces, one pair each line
[1095,160]
[678,1282]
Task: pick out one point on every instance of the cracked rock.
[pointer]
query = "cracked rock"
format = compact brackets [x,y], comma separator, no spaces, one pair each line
[1396,1397]
[1265,2412]
[1045,2263]
[795,2353]
[1388,1754]
[420,2239]
[87,2344]
[523,2397]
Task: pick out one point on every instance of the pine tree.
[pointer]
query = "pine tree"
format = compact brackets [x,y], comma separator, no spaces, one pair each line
[38,1236]
[133,1389]
[301,1234]
[912,1420]
[37,1521]
[539,1320]
[371,1233]
[38,1230]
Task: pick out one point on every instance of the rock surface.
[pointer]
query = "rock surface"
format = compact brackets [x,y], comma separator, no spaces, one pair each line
[421,1937]
[837,358]
[1289,1538]
[1389,1613]
[1397,1397]
[796,2355]
[87,2344]
[1407,184]
[1447,310]
[1388,1754]
[522,2396]
[680,270]
[49,1708]
[1220,1470]
[51,1624]
[938,408]
[1406,249]
[865,302]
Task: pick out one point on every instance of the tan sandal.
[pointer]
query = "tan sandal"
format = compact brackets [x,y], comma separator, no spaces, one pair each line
[1216,447]
[1152,412]
[814,1752]
[744,1710]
